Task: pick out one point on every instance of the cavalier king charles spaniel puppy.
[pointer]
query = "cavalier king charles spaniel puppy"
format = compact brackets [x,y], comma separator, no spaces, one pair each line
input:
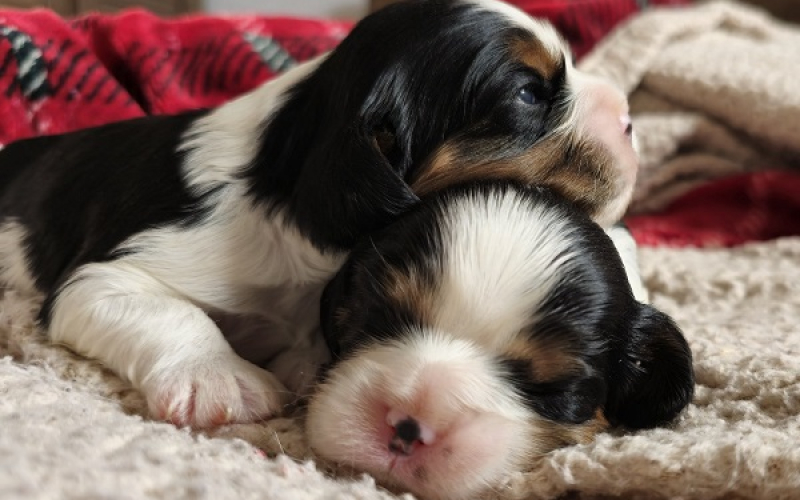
[147,236]
[487,326]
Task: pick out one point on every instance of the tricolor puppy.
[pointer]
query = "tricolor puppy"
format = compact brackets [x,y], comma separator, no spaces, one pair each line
[484,328]
[139,233]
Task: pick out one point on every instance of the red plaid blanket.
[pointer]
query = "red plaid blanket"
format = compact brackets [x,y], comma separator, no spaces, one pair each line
[584,22]
[59,75]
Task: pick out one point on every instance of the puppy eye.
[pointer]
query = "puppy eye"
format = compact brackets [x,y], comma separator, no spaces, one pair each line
[527,95]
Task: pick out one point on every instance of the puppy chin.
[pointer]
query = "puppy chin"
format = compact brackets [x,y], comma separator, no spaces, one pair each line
[472,427]
[614,211]
[603,116]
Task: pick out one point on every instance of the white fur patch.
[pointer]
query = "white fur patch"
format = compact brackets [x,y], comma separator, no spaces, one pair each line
[542,30]
[501,259]
[224,142]
[627,249]
[169,348]
[482,431]
[239,261]
[14,269]
[234,258]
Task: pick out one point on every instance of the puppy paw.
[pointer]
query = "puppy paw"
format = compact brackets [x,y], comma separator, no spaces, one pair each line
[214,392]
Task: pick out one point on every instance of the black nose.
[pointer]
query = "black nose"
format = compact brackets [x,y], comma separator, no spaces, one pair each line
[406,433]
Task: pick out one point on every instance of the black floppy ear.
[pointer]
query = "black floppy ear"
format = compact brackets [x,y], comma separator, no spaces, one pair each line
[348,188]
[334,318]
[651,380]
[573,402]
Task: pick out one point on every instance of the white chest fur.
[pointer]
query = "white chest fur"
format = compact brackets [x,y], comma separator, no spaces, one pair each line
[239,259]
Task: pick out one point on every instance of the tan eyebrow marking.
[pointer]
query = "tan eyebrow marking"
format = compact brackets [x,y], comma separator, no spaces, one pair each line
[530,52]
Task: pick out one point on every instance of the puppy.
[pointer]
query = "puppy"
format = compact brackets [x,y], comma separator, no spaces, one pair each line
[147,236]
[487,326]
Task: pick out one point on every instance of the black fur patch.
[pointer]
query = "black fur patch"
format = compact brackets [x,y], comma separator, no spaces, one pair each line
[80,195]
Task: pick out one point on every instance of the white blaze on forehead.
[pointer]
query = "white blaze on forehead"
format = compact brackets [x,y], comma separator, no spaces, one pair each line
[542,30]
[502,258]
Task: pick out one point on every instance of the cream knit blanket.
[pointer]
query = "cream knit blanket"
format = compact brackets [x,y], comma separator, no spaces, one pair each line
[714,91]
[69,429]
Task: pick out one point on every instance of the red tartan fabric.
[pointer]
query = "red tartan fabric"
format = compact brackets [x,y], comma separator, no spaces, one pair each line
[195,62]
[727,212]
[50,80]
[59,75]
[584,22]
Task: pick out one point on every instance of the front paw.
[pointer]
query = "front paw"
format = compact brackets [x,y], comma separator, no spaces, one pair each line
[212,392]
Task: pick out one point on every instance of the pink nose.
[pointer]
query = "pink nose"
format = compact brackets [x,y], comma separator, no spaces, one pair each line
[408,433]
[406,436]
[627,124]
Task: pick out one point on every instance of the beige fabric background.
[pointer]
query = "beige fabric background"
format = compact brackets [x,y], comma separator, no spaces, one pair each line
[69,429]
[714,92]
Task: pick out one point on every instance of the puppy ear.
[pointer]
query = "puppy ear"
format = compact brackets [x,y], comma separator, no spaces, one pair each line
[349,188]
[334,317]
[574,402]
[652,380]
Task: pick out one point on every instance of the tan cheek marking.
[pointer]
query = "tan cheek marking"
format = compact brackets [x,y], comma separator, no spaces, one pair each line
[586,432]
[585,175]
[454,163]
[533,54]
[439,171]
[553,435]
[547,362]
[410,290]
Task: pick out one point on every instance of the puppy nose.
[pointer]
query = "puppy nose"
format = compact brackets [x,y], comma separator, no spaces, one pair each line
[406,434]
[627,124]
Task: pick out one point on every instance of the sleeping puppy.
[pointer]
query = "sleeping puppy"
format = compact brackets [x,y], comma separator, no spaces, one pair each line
[147,236]
[486,327]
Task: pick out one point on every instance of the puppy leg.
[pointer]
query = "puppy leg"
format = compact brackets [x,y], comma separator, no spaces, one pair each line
[166,346]
[627,249]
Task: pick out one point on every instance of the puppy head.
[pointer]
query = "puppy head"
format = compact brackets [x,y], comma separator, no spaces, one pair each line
[486,327]
[427,94]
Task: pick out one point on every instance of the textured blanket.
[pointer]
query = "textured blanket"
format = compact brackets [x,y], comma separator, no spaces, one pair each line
[714,95]
[69,429]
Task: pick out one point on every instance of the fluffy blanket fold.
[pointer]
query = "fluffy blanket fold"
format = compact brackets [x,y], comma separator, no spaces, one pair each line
[713,94]
[72,430]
